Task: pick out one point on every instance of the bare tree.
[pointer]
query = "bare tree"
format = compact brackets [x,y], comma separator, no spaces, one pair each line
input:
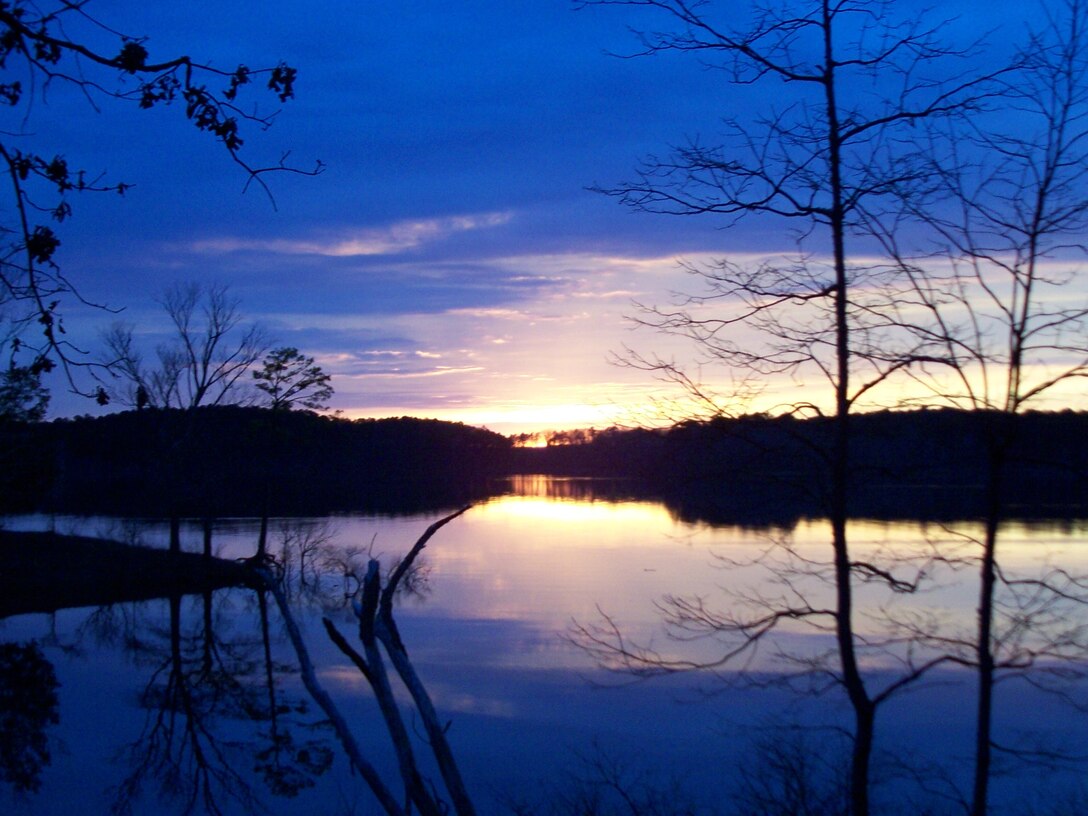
[202,364]
[197,677]
[1005,326]
[599,784]
[53,46]
[788,774]
[851,85]
[306,551]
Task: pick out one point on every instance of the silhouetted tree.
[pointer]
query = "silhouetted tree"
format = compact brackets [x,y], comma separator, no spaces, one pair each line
[203,362]
[847,87]
[28,705]
[47,48]
[176,749]
[23,398]
[291,378]
[288,378]
[791,772]
[307,550]
[1005,326]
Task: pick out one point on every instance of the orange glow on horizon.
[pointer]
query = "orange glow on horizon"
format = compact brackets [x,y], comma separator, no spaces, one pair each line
[516,419]
[646,406]
[605,515]
[532,440]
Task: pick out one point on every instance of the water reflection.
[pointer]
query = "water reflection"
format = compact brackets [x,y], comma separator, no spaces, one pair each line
[573,488]
[28,706]
[199,697]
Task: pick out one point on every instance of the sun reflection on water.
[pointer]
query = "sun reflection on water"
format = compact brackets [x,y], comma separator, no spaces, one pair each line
[587,515]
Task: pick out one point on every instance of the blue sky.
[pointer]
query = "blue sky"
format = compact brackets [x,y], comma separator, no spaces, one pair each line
[450,261]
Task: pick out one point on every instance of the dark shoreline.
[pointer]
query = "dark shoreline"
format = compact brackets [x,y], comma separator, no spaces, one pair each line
[44,572]
[752,470]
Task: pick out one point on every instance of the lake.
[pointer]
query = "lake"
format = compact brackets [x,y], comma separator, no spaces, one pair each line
[196,702]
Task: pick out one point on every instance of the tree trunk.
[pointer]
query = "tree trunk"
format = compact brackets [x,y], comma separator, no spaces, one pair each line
[175,533]
[864,709]
[984,644]
[343,732]
[262,537]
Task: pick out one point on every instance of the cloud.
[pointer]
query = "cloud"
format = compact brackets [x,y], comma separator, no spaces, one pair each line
[439,371]
[625,294]
[498,314]
[393,239]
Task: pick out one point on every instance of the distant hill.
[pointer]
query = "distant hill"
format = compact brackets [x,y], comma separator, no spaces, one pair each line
[246,461]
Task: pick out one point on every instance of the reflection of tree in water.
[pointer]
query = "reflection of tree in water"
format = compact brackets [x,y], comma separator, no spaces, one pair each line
[28,704]
[203,690]
[286,765]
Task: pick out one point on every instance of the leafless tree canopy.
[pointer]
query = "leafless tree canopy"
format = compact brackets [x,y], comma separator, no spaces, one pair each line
[203,363]
[997,302]
[854,100]
[852,86]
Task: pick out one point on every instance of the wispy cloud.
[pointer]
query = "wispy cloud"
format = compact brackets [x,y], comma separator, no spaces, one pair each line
[497,313]
[388,240]
[625,294]
[440,371]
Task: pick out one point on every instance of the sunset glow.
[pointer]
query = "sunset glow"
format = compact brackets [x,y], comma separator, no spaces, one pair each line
[450,262]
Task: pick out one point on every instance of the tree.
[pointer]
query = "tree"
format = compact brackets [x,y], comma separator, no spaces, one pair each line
[23,398]
[56,45]
[851,88]
[1004,326]
[291,378]
[28,706]
[288,377]
[202,364]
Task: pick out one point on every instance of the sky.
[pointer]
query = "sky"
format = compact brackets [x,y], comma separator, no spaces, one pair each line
[451,261]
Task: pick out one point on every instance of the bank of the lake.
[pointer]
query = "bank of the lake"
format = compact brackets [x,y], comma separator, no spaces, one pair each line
[235,461]
[43,571]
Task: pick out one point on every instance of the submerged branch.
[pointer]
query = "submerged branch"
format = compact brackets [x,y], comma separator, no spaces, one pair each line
[309,679]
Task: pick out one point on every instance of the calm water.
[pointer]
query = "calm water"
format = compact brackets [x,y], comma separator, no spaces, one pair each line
[162,705]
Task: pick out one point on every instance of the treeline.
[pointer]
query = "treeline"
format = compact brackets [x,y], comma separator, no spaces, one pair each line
[231,460]
[247,461]
[928,464]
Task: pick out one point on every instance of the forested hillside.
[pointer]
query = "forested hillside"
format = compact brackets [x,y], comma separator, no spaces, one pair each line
[246,461]
[922,464]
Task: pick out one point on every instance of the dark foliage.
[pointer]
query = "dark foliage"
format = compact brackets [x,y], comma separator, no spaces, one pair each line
[290,379]
[23,398]
[28,704]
